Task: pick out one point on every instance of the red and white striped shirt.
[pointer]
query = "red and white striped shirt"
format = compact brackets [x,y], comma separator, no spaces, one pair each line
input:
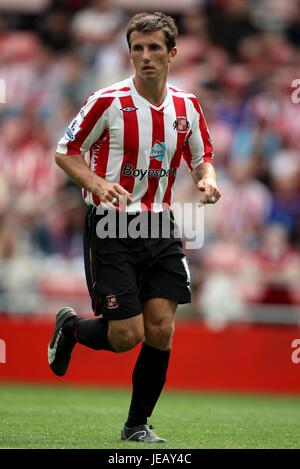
[130,141]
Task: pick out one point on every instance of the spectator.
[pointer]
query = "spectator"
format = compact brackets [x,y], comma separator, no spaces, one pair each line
[245,203]
[285,207]
[276,268]
[229,23]
[240,57]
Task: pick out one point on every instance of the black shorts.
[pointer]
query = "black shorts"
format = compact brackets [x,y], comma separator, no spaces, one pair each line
[123,272]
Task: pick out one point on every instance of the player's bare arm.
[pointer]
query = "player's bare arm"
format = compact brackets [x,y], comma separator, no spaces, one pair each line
[204,176]
[77,169]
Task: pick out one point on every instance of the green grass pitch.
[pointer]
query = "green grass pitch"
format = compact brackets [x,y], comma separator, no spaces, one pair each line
[66,417]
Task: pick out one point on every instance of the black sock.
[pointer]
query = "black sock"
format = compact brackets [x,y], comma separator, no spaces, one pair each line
[90,332]
[148,379]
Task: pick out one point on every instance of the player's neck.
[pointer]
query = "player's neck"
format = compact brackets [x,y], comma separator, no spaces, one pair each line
[154,91]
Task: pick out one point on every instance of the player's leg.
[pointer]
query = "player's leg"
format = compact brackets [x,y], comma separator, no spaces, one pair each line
[159,316]
[150,371]
[120,336]
[165,284]
[112,284]
[115,298]
[125,334]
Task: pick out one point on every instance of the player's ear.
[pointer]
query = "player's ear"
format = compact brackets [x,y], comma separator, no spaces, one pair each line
[172,55]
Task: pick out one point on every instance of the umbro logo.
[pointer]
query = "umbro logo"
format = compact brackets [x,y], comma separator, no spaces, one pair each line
[128,109]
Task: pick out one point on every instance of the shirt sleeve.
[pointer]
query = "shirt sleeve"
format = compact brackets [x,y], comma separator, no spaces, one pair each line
[198,147]
[87,127]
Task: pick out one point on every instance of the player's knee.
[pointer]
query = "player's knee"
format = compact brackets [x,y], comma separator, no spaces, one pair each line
[125,339]
[159,335]
[127,342]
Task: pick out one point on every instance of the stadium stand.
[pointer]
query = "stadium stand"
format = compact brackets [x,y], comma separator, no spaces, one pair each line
[240,60]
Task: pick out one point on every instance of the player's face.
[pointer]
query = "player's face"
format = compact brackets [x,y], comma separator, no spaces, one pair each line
[149,54]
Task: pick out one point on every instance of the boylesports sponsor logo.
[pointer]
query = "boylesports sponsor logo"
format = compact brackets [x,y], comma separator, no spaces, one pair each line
[158,151]
[128,170]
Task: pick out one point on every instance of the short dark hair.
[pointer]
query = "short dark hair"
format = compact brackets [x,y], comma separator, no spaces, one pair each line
[148,22]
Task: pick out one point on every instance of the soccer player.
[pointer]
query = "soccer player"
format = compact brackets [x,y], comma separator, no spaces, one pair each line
[127,143]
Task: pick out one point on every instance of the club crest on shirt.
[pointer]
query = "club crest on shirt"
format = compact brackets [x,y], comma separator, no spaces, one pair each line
[128,109]
[111,301]
[181,124]
[158,151]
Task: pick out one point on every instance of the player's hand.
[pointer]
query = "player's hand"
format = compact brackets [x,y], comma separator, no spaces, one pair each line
[210,192]
[111,193]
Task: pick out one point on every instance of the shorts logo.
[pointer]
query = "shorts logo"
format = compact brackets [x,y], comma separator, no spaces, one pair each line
[72,130]
[112,301]
[158,151]
[181,124]
[128,109]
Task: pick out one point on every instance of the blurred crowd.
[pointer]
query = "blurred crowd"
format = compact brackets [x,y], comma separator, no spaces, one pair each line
[240,58]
